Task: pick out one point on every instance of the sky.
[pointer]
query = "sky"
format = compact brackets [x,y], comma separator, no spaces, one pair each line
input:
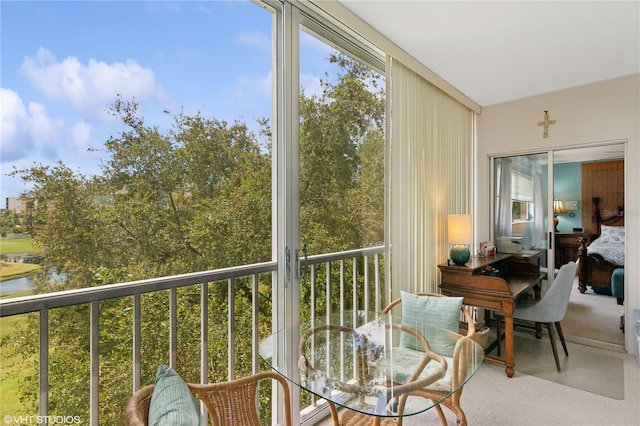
[64,62]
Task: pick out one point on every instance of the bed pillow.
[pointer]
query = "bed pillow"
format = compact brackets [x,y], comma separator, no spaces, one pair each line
[440,312]
[172,403]
[611,234]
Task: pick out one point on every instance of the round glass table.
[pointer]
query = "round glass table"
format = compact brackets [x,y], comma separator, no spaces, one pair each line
[372,364]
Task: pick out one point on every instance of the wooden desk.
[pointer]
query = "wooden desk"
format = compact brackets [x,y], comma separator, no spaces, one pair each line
[496,293]
[529,256]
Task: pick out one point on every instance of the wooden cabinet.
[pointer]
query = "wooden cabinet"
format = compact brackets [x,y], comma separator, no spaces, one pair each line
[567,247]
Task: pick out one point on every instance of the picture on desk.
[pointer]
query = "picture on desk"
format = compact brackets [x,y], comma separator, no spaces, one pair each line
[486,249]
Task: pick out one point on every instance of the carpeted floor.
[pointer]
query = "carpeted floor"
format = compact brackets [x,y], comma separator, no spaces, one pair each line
[593,317]
[600,372]
[599,384]
[491,399]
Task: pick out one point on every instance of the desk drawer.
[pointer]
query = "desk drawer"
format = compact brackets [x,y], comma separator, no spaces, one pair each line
[478,301]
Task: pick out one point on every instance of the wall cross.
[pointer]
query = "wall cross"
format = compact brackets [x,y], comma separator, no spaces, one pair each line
[546,123]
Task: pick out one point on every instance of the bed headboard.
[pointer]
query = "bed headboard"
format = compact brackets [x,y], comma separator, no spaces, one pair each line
[607,216]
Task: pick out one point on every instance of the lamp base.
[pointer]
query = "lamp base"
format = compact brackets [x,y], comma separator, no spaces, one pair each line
[460,254]
[555,223]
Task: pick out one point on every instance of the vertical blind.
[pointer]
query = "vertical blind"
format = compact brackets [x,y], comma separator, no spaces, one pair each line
[430,160]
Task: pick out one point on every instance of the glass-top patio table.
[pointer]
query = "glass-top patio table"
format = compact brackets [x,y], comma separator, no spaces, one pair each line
[373,364]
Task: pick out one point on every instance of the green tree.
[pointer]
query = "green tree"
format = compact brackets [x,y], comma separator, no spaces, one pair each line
[164,204]
[194,197]
[336,127]
[12,221]
[342,165]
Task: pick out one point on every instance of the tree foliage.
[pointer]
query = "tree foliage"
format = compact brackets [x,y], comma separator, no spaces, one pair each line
[195,197]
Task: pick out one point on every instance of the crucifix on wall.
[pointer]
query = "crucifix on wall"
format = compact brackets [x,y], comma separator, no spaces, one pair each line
[546,123]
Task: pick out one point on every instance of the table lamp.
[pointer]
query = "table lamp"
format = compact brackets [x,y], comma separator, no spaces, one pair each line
[558,208]
[459,232]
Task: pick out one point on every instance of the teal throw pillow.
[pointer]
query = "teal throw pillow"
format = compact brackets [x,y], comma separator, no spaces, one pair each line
[434,311]
[172,403]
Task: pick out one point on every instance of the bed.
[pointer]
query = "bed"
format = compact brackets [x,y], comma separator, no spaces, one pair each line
[598,259]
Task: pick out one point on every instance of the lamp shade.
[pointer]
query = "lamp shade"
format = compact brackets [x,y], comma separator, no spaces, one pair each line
[558,207]
[459,229]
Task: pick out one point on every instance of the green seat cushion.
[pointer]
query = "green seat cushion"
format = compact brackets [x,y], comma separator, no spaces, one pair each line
[172,403]
[434,311]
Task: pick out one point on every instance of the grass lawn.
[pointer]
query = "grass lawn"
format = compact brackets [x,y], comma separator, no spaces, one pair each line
[17,245]
[12,371]
[11,270]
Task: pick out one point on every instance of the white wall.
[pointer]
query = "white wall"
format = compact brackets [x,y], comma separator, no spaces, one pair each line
[593,113]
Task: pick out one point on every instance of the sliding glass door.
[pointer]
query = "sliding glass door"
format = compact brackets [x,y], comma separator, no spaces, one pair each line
[342,146]
[523,215]
[538,207]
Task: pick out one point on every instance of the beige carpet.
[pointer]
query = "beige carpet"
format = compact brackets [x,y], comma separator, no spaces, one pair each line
[597,372]
[491,399]
[593,317]
[591,320]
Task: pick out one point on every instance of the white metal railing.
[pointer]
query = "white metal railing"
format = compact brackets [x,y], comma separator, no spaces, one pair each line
[364,264]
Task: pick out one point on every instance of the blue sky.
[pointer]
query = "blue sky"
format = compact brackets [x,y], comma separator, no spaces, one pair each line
[62,64]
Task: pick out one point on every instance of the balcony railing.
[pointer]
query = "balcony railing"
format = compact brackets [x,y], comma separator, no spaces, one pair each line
[365,282]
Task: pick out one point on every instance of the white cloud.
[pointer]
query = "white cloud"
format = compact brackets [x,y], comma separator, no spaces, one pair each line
[89,87]
[251,90]
[44,131]
[81,136]
[311,84]
[13,114]
[26,130]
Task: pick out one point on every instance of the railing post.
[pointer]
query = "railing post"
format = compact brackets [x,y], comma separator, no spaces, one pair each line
[231,322]
[94,393]
[173,328]
[44,363]
[204,332]
[137,343]
[365,284]
[255,329]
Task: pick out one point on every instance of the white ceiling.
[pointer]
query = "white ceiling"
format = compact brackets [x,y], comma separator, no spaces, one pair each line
[496,51]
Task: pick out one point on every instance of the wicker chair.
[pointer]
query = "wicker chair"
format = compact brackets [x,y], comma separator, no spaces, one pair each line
[352,418]
[458,366]
[228,403]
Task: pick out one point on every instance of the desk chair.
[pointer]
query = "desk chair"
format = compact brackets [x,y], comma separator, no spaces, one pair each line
[551,308]
[457,365]
[228,403]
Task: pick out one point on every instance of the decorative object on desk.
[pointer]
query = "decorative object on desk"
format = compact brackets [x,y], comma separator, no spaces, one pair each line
[482,251]
[459,233]
[490,271]
[558,208]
